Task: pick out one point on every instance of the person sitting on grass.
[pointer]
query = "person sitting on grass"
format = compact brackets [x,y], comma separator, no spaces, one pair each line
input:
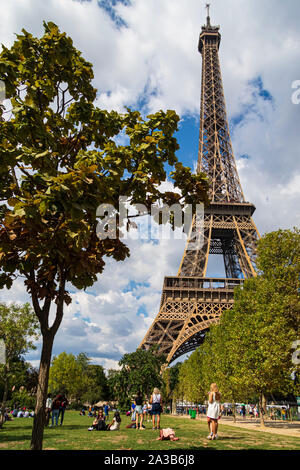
[115,424]
[7,416]
[99,422]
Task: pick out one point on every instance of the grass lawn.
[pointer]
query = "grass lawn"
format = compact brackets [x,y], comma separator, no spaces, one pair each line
[73,435]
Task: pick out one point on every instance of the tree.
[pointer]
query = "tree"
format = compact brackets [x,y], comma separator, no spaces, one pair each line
[260,341]
[98,388]
[60,160]
[77,378]
[140,371]
[112,383]
[249,352]
[19,329]
[278,262]
[265,319]
[192,382]
[170,382]
[67,376]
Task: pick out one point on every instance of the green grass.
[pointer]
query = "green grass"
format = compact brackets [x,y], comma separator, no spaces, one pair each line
[73,435]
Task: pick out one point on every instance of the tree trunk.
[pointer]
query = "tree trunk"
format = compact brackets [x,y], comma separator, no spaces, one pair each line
[41,396]
[173,406]
[5,393]
[48,338]
[261,410]
[234,413]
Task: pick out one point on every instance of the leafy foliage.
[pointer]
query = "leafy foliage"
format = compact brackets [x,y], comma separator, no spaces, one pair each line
[19,329]
[140,371]
[249,352]
[77,378]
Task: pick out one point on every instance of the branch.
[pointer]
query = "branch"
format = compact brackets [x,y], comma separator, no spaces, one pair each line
[15,180]
[21,168]
[60,301]
[35,302]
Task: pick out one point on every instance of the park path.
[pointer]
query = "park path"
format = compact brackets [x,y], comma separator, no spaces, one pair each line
[286,428]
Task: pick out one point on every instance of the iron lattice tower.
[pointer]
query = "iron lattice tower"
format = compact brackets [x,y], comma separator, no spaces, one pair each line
[191,302]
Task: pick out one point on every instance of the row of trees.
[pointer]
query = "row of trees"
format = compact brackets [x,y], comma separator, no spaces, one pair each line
[249,353]
[75,376]
[18,330]
[87,383]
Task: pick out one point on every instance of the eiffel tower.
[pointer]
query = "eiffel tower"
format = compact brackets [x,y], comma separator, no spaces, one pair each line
[191,302]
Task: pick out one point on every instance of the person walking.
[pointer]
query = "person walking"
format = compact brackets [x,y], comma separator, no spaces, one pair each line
[55,410]
[48,408]
[213,411]
[63,405]
[156,402]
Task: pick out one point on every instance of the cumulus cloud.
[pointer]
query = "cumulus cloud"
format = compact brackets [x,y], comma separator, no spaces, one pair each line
[145,55]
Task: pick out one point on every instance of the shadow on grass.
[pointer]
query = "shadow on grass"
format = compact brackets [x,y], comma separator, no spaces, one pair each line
[231,438]
[23,433]
[69,427]
[15,428]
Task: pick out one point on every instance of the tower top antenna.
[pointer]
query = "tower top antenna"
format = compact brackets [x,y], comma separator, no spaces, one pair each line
[207,8]
[208,17]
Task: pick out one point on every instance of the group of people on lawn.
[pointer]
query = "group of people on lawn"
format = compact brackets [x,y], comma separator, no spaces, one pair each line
[55,409]
[139,410]
[138,414]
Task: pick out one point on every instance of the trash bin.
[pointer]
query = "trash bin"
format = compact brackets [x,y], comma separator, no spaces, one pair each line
[193,414]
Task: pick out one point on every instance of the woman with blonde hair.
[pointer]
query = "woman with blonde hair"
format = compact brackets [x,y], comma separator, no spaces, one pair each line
[213,411]
[156,402]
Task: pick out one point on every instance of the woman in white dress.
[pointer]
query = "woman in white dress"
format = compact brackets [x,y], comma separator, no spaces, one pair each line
[213,411]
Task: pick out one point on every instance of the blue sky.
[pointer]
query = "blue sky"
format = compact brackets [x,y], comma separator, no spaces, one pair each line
[145,56]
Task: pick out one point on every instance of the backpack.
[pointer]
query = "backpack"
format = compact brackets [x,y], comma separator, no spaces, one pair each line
[56,404]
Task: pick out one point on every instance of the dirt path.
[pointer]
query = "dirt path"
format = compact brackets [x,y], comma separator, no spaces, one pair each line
[285,428]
